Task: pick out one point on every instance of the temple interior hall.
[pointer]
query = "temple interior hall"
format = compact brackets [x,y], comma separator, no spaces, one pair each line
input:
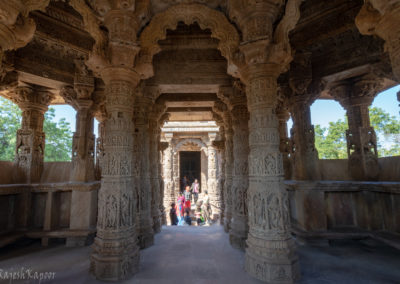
[225,92]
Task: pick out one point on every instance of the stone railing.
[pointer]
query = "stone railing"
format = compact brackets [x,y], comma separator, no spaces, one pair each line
[330,169]
[324,210]
[44,211]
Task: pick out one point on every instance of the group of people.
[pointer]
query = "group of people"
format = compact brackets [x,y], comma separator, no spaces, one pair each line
[180,213]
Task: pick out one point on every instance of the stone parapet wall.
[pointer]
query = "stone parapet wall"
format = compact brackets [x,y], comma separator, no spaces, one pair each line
[44,210]
[6,170]
[343,209]
[337,169]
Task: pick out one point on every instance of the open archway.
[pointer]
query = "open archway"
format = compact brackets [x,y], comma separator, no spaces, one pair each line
[205,17]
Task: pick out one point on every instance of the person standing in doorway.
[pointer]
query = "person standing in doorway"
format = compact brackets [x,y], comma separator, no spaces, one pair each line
[188,197]
[172,215]
[180,209]
[195,189]
[184,183]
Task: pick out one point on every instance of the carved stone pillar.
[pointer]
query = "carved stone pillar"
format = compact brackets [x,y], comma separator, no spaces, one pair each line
[83,203]
[100,146]
[228,172]
[169,195]
[215,201]
[175,171]
[381,17]
[240,179]
[270,252]
[154,159]
[220,146]
[162,146]
[29,155]
[115,254]
[356,96]
[305,155]
[285,143]
[222,109]
[141,111]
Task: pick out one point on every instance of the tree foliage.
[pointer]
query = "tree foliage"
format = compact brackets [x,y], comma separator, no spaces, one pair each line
[58,134]
[331,141]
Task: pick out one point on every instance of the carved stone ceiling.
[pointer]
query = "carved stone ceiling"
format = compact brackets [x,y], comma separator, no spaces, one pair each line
[189,61]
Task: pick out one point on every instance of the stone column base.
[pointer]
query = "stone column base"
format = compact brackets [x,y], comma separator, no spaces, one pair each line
[116,266]
[238,232]
[272,261]
[157,224]
[227,223]
[79,241]
[146,240]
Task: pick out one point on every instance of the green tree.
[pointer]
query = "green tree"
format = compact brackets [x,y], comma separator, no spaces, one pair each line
[58,134]
[10,122]
[331,141]
[387,127]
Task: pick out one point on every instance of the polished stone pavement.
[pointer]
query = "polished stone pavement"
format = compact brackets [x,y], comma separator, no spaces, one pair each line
[203,255]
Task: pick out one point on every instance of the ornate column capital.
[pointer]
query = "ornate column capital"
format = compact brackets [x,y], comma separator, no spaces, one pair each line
[32,97]
[356,91]
[255,18]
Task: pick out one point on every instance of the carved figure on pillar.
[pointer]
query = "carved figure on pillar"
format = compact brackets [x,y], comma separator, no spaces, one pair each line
[29,152]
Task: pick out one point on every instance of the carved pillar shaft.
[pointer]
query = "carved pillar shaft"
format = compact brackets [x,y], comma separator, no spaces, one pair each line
[99,148]
[284,142]
[169,195]
[212,187]
[83,145]
[115,252]
[146,233]
[154,172]
[270,249]
[228,174]
[221,181]
[356,96]
[361,142]
[83,203]
[162,146]
[240,179]
[305,156]
[29,155]
[175,172]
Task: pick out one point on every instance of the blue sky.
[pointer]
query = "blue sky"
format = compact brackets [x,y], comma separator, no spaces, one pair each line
[322,111]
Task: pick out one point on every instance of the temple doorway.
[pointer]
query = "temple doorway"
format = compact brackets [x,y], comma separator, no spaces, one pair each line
[190,165]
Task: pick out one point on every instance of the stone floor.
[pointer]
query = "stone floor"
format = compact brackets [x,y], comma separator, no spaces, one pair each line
[203,255]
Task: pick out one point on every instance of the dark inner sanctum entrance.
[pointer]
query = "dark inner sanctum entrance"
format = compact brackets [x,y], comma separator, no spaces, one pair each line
[190,165]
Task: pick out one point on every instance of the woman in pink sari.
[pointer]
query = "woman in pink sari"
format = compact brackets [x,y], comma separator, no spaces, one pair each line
[180,208]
